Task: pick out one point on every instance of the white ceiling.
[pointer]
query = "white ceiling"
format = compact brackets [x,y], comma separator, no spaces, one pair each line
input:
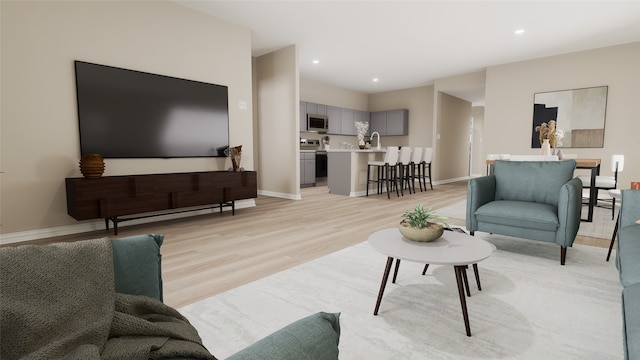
[411,43]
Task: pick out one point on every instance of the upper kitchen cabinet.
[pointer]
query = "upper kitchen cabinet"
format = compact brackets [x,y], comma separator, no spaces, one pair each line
[390,122]
[334,114]
[309,108]
[347,122]
[316,109]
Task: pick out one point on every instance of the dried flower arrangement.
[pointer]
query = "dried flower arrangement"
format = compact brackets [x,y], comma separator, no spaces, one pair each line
[361,129]
[550,132]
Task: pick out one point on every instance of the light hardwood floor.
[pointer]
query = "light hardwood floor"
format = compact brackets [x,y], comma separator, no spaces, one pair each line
[208,254]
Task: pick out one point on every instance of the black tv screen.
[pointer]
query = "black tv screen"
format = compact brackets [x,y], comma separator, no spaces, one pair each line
[131,114]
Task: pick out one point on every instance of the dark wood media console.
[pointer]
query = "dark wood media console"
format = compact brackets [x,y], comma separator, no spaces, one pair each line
[111,197]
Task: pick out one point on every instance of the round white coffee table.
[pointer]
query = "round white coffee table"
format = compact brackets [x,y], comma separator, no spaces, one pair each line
[453,248]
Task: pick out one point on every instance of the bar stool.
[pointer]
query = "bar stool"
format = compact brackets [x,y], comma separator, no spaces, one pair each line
[416,159]
[404,164]
[386,171]
[426,166]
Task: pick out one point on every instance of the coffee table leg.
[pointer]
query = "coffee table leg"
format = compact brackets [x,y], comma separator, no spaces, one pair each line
[426,266]
[387,270]
[466,281]
[475,271]
[395,271]
[459,270]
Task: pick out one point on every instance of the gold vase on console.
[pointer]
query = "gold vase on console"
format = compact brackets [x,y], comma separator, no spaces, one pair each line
[92,166]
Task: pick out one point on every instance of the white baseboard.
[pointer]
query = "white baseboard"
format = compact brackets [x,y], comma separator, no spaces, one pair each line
[94,225]
[280,195]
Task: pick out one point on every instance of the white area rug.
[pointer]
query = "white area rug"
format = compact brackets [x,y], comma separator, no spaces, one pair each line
[530,306]
[601,227]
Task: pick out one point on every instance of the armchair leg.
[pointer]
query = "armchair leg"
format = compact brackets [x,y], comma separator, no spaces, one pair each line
[472,233]
[563,254]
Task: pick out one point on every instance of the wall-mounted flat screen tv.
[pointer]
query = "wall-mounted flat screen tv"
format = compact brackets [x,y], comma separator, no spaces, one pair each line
[131,114]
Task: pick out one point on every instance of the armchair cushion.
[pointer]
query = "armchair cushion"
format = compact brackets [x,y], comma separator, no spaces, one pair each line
[628,255]
[519,214]
[514,180]
[315,337]
[137,265]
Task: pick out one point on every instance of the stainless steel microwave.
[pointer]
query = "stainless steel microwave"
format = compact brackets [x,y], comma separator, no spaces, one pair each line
[317,123]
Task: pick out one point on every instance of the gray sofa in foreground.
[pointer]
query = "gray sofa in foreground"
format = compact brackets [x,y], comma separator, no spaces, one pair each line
[537,200]
[628,264]
[102,299]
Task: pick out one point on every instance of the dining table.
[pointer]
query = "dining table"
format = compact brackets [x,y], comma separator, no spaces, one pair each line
[589,164]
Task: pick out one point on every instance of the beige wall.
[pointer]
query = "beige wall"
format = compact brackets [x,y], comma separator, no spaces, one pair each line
[40,41]
[419,102]
[478,164]
[451,160]
[278,127]
[313,91]
[509,102]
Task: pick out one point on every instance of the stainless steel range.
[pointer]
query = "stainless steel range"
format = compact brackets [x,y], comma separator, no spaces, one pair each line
[321,155]
[309,144]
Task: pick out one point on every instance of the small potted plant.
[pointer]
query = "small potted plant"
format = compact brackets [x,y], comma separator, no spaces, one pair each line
[422,225]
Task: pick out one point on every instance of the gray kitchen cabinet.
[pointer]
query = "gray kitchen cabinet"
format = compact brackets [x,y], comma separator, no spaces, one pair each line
[398,122]
[378,122]
[322,109]
[307,168]
[334,114]
[390,122]
[312,108]
[347,122]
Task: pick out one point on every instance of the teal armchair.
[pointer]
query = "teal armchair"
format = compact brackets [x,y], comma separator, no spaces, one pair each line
[536,200]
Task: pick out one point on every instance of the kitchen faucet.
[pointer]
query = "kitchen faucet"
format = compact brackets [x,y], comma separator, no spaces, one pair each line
[371,138]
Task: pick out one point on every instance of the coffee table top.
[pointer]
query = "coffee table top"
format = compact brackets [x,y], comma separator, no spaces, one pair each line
[452,248]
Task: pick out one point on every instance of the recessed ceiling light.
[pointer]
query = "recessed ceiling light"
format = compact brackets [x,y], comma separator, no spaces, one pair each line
[519,32]
[376,79]
[316,61]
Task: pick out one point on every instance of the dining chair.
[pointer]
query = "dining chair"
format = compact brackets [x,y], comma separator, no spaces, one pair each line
[606,182]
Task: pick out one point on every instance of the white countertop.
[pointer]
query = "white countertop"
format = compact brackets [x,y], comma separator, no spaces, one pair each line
[356,150]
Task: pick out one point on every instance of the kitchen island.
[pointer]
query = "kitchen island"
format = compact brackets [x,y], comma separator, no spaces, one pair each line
[347,170]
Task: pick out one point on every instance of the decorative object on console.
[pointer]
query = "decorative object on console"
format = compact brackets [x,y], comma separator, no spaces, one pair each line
[235,153]
[422,225]
[361,128]
[92,166]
